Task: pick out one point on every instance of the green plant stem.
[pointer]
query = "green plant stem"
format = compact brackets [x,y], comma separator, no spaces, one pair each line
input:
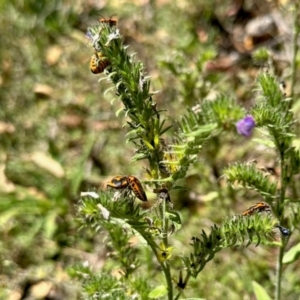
[164,223]
[279,211]
[167,272]
[283,186]
[279,272]
[164,264]
[166,268]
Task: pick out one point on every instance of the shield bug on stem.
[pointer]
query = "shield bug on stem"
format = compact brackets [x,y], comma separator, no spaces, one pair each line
[137,188]
[109,21]
[98,63]
[128,182]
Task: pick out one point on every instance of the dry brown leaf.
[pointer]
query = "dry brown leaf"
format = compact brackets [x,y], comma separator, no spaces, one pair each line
[15,295]
[117,273]
[53,55]
[43,90]
[48,163]
[102,125]
[6,186]
[71,121]
[41,289]
[6,127]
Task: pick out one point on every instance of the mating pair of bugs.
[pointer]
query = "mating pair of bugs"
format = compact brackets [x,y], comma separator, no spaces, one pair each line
[130,183]
[98,62]
[264,207]
[257,208]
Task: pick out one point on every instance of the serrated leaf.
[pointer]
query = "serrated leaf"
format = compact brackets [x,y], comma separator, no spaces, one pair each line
[292,255]
[158,292]
[260,292]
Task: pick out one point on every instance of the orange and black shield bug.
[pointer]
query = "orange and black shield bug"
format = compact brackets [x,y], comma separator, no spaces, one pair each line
[137,188]
[257,207]
[128,182]
[109,21]
[98,63]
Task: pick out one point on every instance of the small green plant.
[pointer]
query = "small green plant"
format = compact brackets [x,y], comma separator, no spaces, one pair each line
[117,212]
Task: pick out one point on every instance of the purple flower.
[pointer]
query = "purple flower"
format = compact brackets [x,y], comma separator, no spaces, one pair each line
[245,126]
